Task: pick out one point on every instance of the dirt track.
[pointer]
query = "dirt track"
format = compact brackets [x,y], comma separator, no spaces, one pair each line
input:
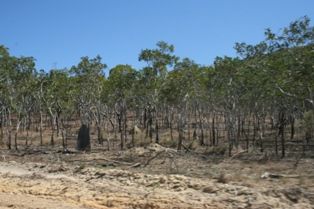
[46,183]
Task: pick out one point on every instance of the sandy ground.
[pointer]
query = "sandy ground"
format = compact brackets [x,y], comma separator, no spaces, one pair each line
[151,177]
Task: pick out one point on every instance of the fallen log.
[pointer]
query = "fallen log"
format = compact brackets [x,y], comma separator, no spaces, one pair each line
[99,159]
[153,157]
[267,175]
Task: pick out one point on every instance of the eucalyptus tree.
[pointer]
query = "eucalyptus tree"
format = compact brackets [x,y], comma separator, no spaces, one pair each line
[195,97]
[291,59]
[229,92]
[158,60]
[184,89]
[121,82]
[6,86]
[40,104]
[16,86]
[174,97]
[56,91]
[256,98]
[23,97]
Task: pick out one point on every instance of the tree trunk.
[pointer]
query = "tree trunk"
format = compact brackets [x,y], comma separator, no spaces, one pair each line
[238,131]
[64,142]
[115,134]
[121,140]
[171,130]
[108,137]
[10,130]
[122,127]
[2,129]
[16,134]
[157,131]
[52,142]
[52,132]
[155,118]
[282,132]
[201,128]
[99,135]
[213,131]
[189,126]
[133,137]
[170,119]
[150,126]
[261,134]
[276,144]
[230,124]
[9,138]
[145,118]
[125,125]
[41,128]
[292,121]
[283,148]
[26,139]
[180,139]
[230,142]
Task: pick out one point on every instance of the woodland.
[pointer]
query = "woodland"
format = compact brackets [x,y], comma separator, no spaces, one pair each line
[260,101]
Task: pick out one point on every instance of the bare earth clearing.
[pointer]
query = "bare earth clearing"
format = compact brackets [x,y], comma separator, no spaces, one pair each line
[151,177]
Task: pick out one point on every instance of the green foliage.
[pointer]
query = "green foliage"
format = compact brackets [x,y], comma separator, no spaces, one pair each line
[186,83]
[121,82]
[87,80]
[159,58]
[17,82]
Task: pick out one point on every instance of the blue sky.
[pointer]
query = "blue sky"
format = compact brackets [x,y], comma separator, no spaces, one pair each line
[58,32]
